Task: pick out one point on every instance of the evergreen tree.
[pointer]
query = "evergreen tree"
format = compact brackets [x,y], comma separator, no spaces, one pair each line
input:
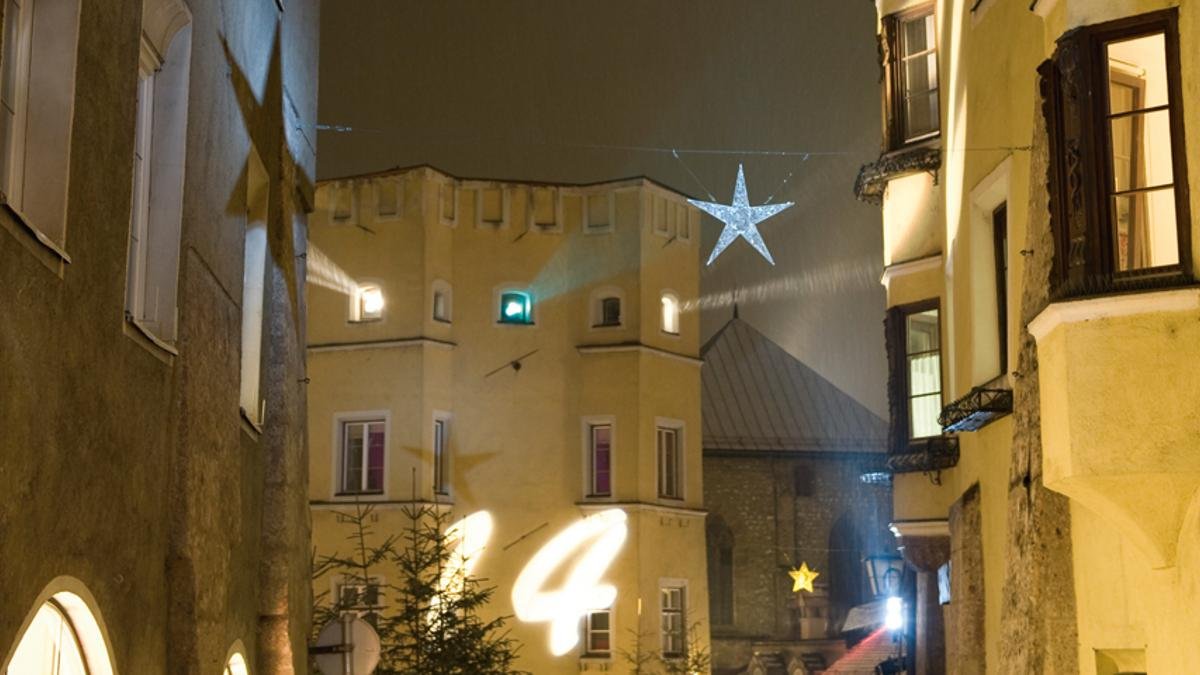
[428,619]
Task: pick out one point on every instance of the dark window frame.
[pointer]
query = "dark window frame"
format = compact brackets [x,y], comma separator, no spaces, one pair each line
[899,387]
[893,78]
[1000,256]
[1075,96]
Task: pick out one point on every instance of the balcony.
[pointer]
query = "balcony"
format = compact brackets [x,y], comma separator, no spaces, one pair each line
[1119,382]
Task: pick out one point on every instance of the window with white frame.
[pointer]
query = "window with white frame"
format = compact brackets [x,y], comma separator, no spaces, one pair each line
[448,203]
[543,208]
[441,456]
[254,262]
[443,301]
[670,313]
[160,138]
[363,448]
[63,638]
[600,441]
[389,198]
[670,463]
[598,633]
[37,97]
[359,599]
[367,303]
[674,634]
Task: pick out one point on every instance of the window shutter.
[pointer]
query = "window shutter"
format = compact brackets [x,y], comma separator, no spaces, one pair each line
[893,332]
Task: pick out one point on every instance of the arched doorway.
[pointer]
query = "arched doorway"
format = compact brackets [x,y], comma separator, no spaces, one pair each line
[62,637]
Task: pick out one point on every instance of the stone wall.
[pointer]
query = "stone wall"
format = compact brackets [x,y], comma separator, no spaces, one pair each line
[775,529]
[965,651]
[130,469]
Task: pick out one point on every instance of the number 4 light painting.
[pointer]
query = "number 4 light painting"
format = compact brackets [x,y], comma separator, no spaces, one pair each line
[741,219]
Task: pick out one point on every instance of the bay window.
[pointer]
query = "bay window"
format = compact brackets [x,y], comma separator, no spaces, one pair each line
[911,65]
[915,378]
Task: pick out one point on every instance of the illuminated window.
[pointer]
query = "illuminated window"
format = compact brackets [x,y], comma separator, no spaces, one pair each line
[362,600]
[368,303]
[669,463]
[914,356]
[254,266]
[62,639]
[236,665]
[599,633]
[670,314]
[912,78]
[441,456]
[673,632]
[600,456]
[362,455]
[516,307]
[37,98]
[1118,216]
[160,130]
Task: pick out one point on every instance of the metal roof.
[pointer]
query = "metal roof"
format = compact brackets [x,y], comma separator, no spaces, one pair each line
[757,396]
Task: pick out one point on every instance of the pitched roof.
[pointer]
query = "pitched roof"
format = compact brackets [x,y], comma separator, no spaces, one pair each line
[757,396]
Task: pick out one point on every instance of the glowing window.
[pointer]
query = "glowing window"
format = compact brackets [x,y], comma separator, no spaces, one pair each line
[236,665]
[254,266]
[600,455]
[516,307]
[923,355]
[674,643]
[599,633]
[670,314]
[63,639]
[368,303]
[918,73]
[362,454]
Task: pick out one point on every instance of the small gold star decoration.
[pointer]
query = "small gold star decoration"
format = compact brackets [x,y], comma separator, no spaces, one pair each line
[803,578]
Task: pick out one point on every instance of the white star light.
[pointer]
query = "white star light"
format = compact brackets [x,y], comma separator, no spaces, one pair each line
[741,219]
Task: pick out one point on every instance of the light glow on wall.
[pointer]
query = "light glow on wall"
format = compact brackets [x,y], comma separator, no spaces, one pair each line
[467,538]
[893,617]
[582,592]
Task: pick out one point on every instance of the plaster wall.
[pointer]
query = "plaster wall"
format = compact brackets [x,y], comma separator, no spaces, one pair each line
[129,469]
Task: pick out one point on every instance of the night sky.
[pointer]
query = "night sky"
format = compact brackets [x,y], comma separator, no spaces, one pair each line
[594,90]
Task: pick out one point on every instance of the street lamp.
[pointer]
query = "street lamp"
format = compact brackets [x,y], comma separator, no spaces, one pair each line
[884,572]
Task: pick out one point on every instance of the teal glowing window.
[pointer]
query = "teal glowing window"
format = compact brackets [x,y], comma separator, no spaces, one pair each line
[516,307]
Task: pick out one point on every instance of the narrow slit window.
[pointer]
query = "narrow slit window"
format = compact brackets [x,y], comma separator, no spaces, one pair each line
[601,460]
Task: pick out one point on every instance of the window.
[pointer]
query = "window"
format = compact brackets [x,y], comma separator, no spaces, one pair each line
[600,212]
[448,203]
[367,303]
[63,638]
[491,206]
[441,456]
[659,216]
[344,202]
[600,460]
[720,571]
[254,261]
[670,314]
[684,223]
[363,600]
[915,382]
[37,98]
[516,307]
[388,196]
[543,208]
[910,41]
[610,311]
[236,665]
[442,301]
[1116,145]
[362,455]
[674,643]
[669,463]
[599,633]
[1000,255]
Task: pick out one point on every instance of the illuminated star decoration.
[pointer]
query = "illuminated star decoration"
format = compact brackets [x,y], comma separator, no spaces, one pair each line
[741,219]
[803,578]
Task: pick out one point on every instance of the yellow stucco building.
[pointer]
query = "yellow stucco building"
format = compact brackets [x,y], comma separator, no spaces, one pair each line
[527,350]
[1042,330]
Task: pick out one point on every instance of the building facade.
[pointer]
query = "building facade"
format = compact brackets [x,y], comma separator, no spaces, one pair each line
[1039,270]
[785,452]
[155,183]
[529,351]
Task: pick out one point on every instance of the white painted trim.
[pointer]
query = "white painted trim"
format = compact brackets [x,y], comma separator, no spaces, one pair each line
[382,344]
[920,528]
[680,429]
[613,349]
[335,452]
[902,269]
[1077,311]
[446,418]
[84,614]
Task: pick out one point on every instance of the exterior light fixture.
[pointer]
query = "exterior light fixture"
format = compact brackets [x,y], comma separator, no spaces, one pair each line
[884,573]
[516,307]
[893,617]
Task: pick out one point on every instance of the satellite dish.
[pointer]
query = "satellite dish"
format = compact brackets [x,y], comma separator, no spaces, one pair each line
[347,646]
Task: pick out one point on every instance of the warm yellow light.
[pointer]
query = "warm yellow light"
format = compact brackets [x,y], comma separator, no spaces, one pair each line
[467,538]
[370,299]
[582,591]
[803,578]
